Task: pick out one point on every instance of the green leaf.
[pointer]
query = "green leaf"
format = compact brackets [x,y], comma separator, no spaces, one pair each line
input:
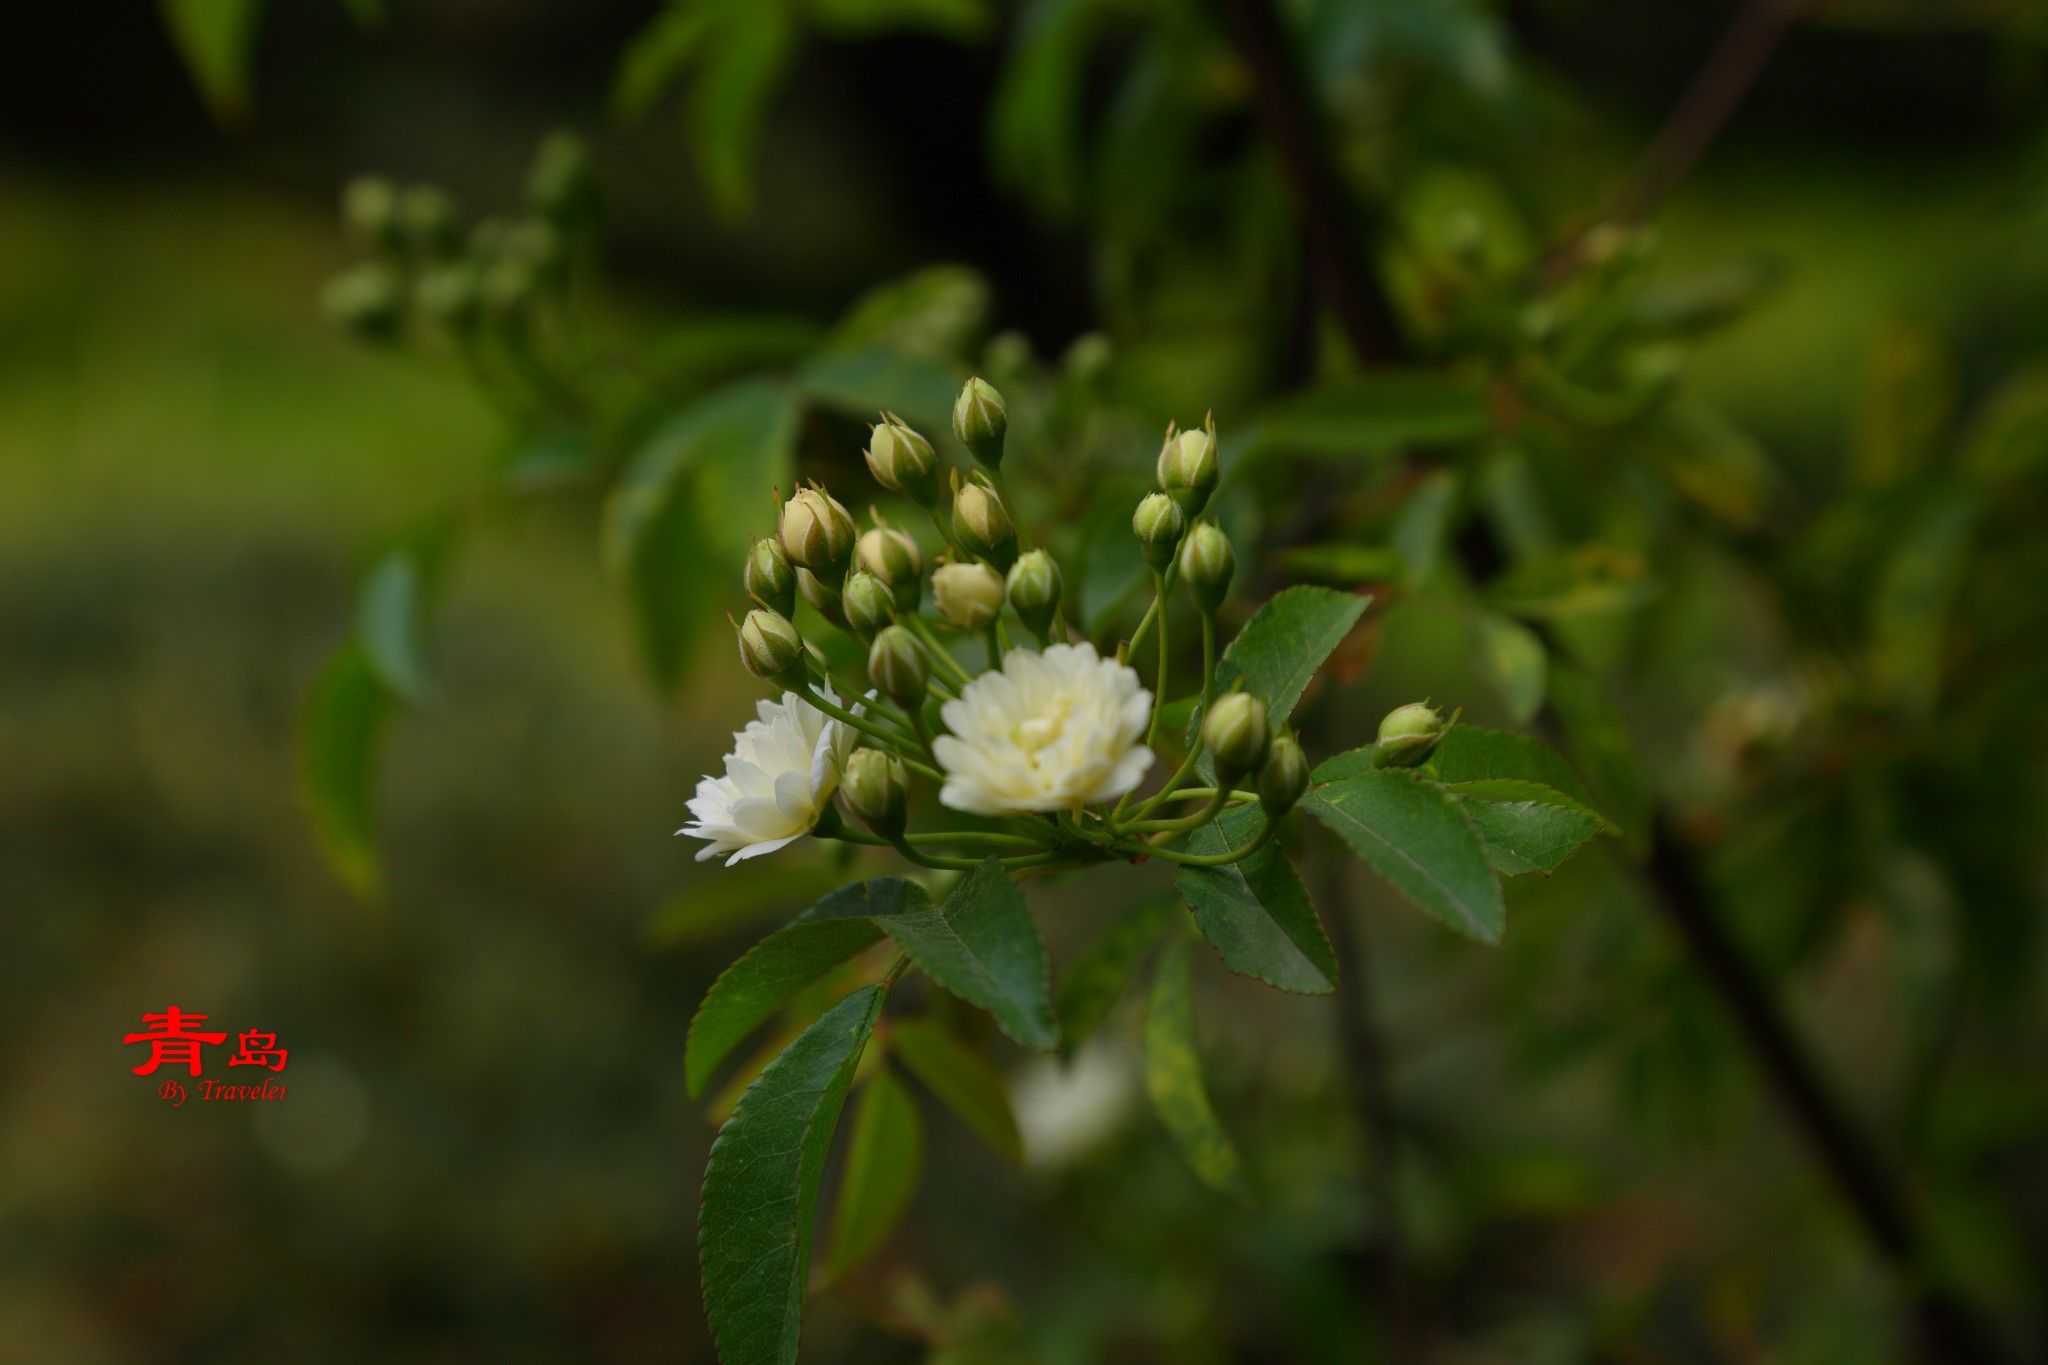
[1470,754]
[752,989]
[1531,835]
[871,380]
[958,19]
[1371,416]
[883,1160]
[657,55]
[736,896]
[1256,913]
[392,605]
[1600,743]
[983,946]
[547,460]
[339,728]
[729,98]
[1512,789]
[712,346]
[761,1188]
[962,1080]
[1419,838]
[688,503]
[215,38]
[935,313]
[1511,657]
[1034,118]
[1281,648]
[1096,980]
[1173,1077]
[1910,608]
[1346,564]
[1419,530]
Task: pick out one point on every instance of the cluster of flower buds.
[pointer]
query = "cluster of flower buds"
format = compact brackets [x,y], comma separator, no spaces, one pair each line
[1169,537]
[1242,743]
[421,267]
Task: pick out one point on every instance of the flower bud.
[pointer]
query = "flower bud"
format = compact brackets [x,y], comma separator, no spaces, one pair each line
[823,597]
[817,533]
[1158,525]
[365,300]
[1187,467]
[867,602]
[1285,775]
[968,595]
[1236,734]
[982,524]
[902,461]
[981,421]
[369,205]
[1206,565]
[510,284]
[893,557]
[1035,589]
[560,184]
[769,644]
[1408,736]
[427,217]
[769,578]
[449,294]
[878,790]
[896,665]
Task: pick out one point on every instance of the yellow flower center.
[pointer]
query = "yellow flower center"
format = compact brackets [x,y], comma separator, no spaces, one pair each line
[1040,732]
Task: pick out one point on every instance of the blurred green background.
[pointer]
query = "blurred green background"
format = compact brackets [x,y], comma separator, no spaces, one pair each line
[487,1154]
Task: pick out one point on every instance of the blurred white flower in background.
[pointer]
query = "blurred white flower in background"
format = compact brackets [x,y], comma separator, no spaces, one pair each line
[1051,731]
[1066,1110]
[781,772]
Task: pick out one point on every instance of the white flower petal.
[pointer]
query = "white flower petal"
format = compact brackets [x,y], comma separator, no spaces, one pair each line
[1051,731]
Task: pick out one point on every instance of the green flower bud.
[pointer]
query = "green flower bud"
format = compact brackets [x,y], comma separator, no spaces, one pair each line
[560,184]
[1187,467]
[1158,525]
[982,524]
[1285,775]
[510,284]
[896,665]
[817,533]
[369,205]
[981,421]
[1408,736]
[538,244]
[1206,565]
[1237,736]
[769,577]
[868,603]
[893,557]
[366,300]
[449,294]
[427,216]
[902,461]
[823,597]
[769,644]
[968,595]
[1035,588]
[878,790]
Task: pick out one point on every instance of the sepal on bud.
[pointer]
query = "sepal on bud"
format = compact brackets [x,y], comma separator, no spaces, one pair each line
[769,645]
[982,524]
[769,577]
[967,595]
[1188,469]
[1408,736]
[903,461]
[878,790]
[1207,564]
[817,533]
[867,603]
[896,666]
[1237,735]
[1284,777]
[823,597]
[1035,588]
[893,557]
[981,421]
[1158,524]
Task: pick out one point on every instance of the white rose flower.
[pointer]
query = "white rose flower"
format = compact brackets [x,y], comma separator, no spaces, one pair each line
[1051,731]
[781,772]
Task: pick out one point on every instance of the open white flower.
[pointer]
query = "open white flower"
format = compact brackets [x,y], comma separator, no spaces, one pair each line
[781,772]
[1051,731]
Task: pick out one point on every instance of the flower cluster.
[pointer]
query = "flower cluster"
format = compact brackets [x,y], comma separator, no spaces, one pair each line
[976,680]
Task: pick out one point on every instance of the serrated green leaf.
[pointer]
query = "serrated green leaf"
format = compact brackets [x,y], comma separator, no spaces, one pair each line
[983,946]
[1515,789]
[1420,839]
[1530,836]
[1256,913]
[1173,1077]
[339,729]
[1511,657]
[1096,980]
[883,1160]
[871,380]
[215,38]
[961,1080]
[752,989]
[1470,754]
[761,1187]
[1285,642]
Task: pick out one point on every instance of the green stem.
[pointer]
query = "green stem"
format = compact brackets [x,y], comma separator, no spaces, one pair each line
[979,836]
[945,531]
[896,970]
[995,648]
[1183,823]
[1158,605]
[940,654]
[892,742]
[1002,487]
[1205,860]
[1045,859]
[1187,765]
[1159,690]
